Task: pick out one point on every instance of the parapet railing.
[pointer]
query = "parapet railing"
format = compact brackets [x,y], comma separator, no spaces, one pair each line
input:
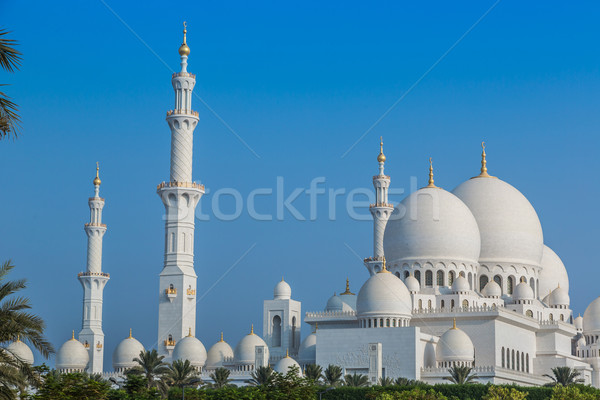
[182,112]
[94,274]
[193,185]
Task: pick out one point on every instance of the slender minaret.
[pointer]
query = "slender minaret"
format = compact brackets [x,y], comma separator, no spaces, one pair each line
[177,291]
[381,212]
[93,281]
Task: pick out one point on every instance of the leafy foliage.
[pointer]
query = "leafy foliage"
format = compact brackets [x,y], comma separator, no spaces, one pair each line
[10,60]
[356,380]
[564,376]
[571,393]
[152,367]
[332,375]
[461,375]
[262,376]
[504,393]
[181,373]
[414,394]
[220,379]
[75,386]
[313,372]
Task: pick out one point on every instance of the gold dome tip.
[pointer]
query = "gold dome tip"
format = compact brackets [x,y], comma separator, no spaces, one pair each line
[130,336]
[190,332]
[381,156]
[384,268]
[72,335]
[454,323]
[221,340]
[287,353]
[97,180]
[252,329]
[184,50]
[484,173]
[431,184]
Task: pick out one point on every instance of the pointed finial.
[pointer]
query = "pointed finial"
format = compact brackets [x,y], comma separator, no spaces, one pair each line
[190,332]
[72,335]
[252,329]
[287,353]
[431,185]
[18,338]
[221,340]
[130,336]
[97,180]
[484,173]
[316,327]
[381,156]
[281,278]
[384,267]
[348,287]
[184,50]
[453,323]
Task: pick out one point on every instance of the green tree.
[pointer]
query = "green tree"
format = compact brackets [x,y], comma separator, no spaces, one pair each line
[74,386]
[504,393]
[355,380]
[313,372]
[564,376]
[387,381]
[261,376]
[152,367]
[461,375]
[10,60]
[401,381]
[415,394]
[181,373]
[220,378]
[332,376]
[290,386]
[570,393]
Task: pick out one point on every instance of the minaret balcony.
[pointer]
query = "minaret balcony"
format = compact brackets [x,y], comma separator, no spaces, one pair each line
[95,224]
[380,177]
[381,205]
[103,274]
[192,185]
[99,346]
[171,293]
[368,259]
[182,112]
[170,344]
[191,293]
[184,74]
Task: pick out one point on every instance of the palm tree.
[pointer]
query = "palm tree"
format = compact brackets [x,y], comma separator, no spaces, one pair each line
[151,366]
[313,372]
[220,378]
[461,375]
[564,376]
[401,381]
[181,373]
[387,381]
[17,322]
[359,380]
[10,60]
[261,376]
[332,375]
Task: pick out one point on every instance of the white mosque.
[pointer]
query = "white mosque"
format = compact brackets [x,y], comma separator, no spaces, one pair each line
[456,278]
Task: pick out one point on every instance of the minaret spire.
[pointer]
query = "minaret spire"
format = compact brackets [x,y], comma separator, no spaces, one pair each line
[484,173]
[431,184]
[381,212]
[93,281]
[180,196]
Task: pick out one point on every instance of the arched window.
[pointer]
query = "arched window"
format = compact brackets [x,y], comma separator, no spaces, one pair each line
[551,317]
[465,304]
[510,284]
[518,368]
[397,274]
[276,331]
[522,362]
[498,280]
[532,284]
[508,358]
[420,304]
[406,274]
[450,278]
[483,280]
[387,323]
[503,357]
[294,331]
[484,306]
[562,317]
[442,304]
[527,363]
[418,276]
[381,322]
[428,278]
[470,279]
[529,313]
[369,323]
[429,304]
[440,278]
[451,303]
[513,360]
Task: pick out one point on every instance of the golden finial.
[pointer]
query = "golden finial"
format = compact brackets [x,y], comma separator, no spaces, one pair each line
[190,332]
[347,287]
[184,50]
[252,329]
[97,180]
[484,173]
[381,156]
[18,338]
[130,336]
[431,185]
[453,323]
[287,353]
[281,278]
[384,267]
[72,335]
[221,337]
[316,327]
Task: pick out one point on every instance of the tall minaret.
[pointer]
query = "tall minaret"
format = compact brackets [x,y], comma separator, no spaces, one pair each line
[177,291]
[381,212]
[93,281]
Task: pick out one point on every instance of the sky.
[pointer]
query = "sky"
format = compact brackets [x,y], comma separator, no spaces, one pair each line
[286,92]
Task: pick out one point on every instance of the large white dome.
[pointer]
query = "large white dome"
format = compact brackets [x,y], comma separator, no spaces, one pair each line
[284,365]
[431,224]
[72,356]
[21,351]
[125,352]
[191,349]
[308,349]
[384,294]
[217,353]
[282,291]
[245,351]
[553,272]
[509,226]
[455,346]
[591,318]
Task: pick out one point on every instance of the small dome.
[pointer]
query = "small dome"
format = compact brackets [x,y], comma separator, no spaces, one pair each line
[431,223]
[245,351]
[460,284]
[192,349]
[217,353]
[308,349]
[285,363]
[523,292]
[578,323]
[591,318]
[559,297]
[334,304]
[492,289]
[282,291]
[429,355]
[509,226]
[553,272]
[72,356]
[21,351]
[412,284]
[455,346]
[125,352]
[384,294]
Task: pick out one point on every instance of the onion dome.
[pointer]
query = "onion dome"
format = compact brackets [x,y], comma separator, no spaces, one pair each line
[125,352]
[184,50]
[553,272]
[412,284]
[334,304]
[245,351]
[461,285]
[381,156]
[282,291]
[384,294]
[431,224]
[509,226]
[285,364]
[455,346]
[21,351]
[492,289]
[217,353]
[578,322]
[72,356]
[191,349]
[307,353]
[559,298]
[523,292]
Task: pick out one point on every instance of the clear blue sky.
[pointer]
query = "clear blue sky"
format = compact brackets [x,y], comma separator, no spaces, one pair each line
[299,82]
